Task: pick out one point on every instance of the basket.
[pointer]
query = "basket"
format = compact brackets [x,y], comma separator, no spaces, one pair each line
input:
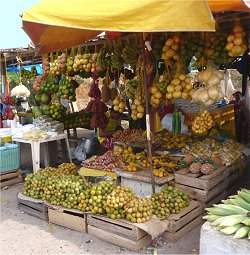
[9,157]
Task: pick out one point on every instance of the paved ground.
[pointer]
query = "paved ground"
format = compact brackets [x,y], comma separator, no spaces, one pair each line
[22,234]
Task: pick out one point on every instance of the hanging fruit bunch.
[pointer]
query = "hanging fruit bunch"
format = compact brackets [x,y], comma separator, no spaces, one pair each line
[116,57]
[45,64]
[67,87]
[202,123]
[70,63]
[155,96]
[37,84]
[180,87]
[137,108]
[104,56]
[105,90]
[131,51]
[119,104]
[131,87]
[211,93]
[236,41]
[55,66]
[97,107]
[49,85]
[192,45]
[170,51]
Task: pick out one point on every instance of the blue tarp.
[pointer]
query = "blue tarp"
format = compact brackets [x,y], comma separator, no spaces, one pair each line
[15,69]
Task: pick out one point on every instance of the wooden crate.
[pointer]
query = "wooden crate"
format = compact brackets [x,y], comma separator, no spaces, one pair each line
[68,218]
[183,222]
[33,207]
[201,187]
[141,182]
[119,227]
[10,178]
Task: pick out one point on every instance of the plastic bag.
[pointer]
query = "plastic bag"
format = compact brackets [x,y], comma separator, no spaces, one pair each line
[80,153]
[166,123]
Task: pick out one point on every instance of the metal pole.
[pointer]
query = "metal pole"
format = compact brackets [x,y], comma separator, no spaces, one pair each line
[147,84]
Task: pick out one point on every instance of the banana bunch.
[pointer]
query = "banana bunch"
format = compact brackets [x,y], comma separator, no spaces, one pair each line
[131,87]
[233,216]
[130,53]
[116,59]
[103,61]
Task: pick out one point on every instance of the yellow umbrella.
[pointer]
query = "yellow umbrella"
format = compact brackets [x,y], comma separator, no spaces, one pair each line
[59,24]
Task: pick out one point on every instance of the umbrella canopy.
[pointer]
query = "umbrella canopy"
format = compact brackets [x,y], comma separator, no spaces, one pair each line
[60,24]
[229,5]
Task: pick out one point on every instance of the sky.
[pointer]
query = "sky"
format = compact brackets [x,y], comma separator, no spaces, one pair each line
[11,33]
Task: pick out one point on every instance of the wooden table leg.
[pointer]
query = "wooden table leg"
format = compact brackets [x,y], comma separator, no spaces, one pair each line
[35,150]
[68,149]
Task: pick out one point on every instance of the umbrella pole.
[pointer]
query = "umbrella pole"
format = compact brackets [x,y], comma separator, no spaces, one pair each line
[148,128]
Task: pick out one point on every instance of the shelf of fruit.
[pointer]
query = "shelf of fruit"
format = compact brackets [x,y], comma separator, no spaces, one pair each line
[108,162]
[77,120]
[223,153]
[63,187]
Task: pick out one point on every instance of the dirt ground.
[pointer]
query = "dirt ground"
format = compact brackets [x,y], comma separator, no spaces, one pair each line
[22,234]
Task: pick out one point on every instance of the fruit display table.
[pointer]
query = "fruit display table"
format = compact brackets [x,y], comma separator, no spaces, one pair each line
[35,148]
[214,242]
[140,181]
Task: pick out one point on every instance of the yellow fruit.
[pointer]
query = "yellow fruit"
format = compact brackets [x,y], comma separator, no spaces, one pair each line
[153,90]
[169,42]
[158,95]
[178,88]
[175,47]
[188,87]
[169,96]
[176,81]
[236,50]
[238,41]
[140,109]
[116,108]
[182,77]
[229,46]
[177,94]
[230,38]
[170,53]
[184,95]
[133,107]
[121,105]
[170,89]
[237,29]
[139,115]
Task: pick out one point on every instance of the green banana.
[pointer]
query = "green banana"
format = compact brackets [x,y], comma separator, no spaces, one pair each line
[226,209]
[211,218]
[217,222]
[246,222]
[231,230]
[242,232]
[245,195]
[242,203]
[231,220]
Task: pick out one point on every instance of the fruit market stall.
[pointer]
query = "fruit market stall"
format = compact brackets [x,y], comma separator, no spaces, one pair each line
[178,153]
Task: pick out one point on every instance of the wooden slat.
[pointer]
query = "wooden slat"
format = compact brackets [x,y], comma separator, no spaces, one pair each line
[11,182]
[193,204]
[67,220]
[33,212]
[144,176]
[116,226]
[119,240]
[9,175]
[175,226]
[38,206]
[183,231]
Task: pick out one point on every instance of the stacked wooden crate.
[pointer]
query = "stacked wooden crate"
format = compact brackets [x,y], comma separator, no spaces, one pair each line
[118,232]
